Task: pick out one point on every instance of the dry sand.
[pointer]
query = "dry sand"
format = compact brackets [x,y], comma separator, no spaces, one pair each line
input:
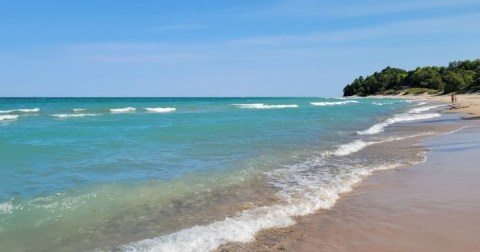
[466,103]
[433,206]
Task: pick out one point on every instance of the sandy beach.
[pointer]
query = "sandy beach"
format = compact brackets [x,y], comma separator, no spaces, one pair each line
[430,206]
[469,104]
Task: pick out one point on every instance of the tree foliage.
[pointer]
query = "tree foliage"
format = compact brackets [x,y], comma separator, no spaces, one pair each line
[459,75]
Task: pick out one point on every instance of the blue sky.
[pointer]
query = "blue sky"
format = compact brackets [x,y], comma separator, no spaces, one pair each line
[223,48]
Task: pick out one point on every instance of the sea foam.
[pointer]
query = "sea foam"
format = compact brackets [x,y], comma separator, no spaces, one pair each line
[122,110]
[160,110]
[424,108]
[379,127]
[349,148]
[8,117]
[33,110]
[78,109]
[243,227]
[6,207]
[72,115]
[264,106]
[332,103]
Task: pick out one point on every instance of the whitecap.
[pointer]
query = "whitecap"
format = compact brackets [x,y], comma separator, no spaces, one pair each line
[123,110]
[349,148]
[8,117]
[33,110]
[264,106]
[379,127]
[315,195]
[6,207]
[359,144]
[72,115]
[160,110]
[78,109]
[423,109]
[332,103]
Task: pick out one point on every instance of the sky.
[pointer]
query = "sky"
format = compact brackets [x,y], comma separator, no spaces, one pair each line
[223,48]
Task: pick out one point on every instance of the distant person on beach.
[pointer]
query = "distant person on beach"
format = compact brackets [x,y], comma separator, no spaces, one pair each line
[453,97]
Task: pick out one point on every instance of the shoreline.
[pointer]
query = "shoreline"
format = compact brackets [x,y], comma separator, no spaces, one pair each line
[466,103]
[344,228]
[431,206]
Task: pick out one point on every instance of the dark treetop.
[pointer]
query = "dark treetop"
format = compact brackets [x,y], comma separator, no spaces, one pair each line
[457,76]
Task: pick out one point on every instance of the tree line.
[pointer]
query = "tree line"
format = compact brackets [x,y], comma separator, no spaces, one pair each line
[457,76]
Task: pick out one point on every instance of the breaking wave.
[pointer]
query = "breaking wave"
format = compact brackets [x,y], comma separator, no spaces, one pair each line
[423,109]
[315,194]
[379,127]
[72,115]
[123,110]
[8,117]
[332,103]
[33,110]
[160,110]
[264,106]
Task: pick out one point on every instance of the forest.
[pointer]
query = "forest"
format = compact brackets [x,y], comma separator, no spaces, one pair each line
[458,76]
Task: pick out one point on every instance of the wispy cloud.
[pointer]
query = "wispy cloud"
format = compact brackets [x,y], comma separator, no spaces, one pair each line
[466,24]
[264,48]
[338,9]
[178,27]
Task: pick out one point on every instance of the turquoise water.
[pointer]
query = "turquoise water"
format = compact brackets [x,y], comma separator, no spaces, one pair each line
[75,168]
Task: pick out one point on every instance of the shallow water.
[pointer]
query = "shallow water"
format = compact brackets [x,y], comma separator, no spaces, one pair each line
[108,173]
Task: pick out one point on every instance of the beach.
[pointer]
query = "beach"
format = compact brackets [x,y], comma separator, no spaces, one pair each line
[468,104]
[429,206]
[205,174]
[432,206]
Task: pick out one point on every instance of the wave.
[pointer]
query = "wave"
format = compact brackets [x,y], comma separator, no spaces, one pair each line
[346,149]
[123,110]
[381,103]
[33,110]
[160,110]
[8,117]
[264,106]
[303,190]
[6,207]
[243,227]
[359,144]
[78,109]
[72,115]
[332,103]
[379,127]
[423,109]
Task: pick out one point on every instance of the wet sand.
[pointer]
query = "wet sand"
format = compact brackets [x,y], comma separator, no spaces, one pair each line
[432,206]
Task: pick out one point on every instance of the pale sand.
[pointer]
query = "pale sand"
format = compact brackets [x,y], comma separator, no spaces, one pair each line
[466,103]
[432,206]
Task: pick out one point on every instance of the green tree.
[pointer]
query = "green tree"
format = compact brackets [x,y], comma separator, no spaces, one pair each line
[427,77]
[453,81]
